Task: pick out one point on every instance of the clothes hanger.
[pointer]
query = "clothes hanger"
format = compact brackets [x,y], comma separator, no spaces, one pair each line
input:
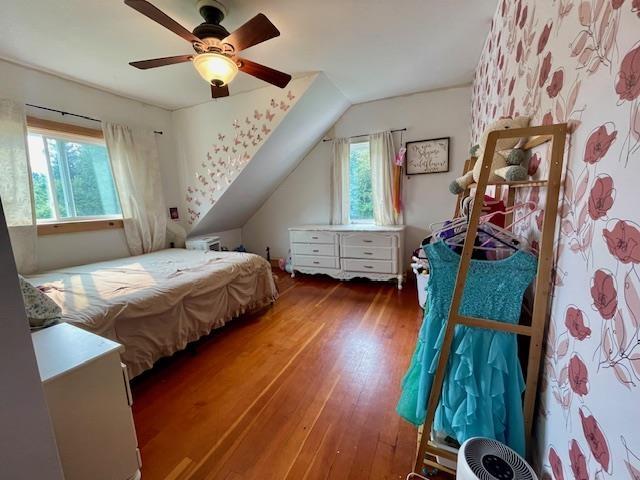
[511,244]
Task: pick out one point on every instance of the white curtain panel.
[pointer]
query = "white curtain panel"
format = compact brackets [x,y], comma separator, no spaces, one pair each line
[382,154]
[16,187]
[340,182]
[134,160]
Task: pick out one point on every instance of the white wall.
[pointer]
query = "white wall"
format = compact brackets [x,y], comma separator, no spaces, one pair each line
[223,194]
[304,197]
[31,86]
[27,443]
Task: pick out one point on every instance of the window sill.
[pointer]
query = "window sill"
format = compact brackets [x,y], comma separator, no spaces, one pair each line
[79,226]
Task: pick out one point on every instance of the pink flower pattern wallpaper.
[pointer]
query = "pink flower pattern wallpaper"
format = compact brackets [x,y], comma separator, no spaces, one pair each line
[578,61]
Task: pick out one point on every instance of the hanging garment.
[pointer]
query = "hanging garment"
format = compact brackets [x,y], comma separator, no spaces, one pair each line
[483,384]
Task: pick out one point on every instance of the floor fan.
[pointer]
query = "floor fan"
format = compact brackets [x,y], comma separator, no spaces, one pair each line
[486,459]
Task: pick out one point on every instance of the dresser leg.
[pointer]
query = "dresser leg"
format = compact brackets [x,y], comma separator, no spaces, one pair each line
[293,274]
[400,278]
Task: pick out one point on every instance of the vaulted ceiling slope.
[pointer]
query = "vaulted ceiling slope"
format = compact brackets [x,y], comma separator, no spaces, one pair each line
[318,108]
[369,49]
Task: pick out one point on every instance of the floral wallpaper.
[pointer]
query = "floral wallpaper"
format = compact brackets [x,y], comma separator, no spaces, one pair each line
[229,153]
[579,62]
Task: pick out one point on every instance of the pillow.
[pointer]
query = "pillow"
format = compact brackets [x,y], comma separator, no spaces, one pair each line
[41,310]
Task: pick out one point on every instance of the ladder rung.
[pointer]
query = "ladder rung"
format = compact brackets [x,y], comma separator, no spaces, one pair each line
[536,141]
[439,466]
[516,184]
[493,325]
[433,449]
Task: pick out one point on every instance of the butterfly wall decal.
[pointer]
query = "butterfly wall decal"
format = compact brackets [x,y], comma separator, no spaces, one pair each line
[290,95]
[270,115]
[265,130]
[221,137]
[257,115]
[273,103]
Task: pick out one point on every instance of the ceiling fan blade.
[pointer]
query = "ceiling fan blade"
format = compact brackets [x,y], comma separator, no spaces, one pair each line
[162,18]
[160,62]
[256,30]
[274,77]
[218,92]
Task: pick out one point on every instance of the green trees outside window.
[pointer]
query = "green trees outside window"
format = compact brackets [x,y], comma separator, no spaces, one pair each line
[360,196]
[72,178]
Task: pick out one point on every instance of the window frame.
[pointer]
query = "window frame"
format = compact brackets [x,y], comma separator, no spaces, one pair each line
[362,221]
[76,223]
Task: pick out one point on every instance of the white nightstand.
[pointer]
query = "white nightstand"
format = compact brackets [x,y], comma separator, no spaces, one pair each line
[203,242]
[89,400]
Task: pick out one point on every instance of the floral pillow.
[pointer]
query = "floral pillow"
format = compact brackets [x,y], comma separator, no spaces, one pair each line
[41,310]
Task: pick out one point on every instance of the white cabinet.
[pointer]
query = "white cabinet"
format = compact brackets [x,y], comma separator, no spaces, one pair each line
[87,392]
[349,251]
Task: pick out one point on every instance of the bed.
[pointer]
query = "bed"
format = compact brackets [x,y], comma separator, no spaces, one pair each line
[154,304]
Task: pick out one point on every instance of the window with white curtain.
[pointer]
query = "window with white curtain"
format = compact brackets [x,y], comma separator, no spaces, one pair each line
[72,177]
[360,194]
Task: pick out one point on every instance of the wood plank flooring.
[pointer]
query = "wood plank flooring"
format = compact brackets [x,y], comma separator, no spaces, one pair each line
[305,389]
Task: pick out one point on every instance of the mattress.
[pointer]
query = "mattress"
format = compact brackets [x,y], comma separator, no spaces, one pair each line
[154,304]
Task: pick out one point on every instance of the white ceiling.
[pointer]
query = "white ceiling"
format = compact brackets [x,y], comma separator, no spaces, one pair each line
[369,49]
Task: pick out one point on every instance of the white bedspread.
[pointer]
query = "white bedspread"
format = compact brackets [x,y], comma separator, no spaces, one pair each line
[155,304]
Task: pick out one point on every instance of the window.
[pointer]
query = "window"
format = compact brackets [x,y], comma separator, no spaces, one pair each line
[360,196]
[72,178]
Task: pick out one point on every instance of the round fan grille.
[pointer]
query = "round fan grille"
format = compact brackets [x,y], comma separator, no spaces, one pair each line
[491,460]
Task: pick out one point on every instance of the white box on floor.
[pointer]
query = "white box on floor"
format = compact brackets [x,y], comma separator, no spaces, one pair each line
[203,242]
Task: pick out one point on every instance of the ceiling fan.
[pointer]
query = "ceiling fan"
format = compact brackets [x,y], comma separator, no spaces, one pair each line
[215,58]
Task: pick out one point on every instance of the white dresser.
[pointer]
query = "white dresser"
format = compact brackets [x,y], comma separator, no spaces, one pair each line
[349,251]
[89,400]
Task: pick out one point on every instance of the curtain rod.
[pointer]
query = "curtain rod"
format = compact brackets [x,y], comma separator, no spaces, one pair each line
[63,113]
[365,134]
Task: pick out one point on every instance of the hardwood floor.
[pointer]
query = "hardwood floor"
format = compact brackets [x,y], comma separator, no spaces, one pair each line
[305,389]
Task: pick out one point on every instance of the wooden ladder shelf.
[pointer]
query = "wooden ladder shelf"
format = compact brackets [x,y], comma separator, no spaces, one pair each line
[537,136]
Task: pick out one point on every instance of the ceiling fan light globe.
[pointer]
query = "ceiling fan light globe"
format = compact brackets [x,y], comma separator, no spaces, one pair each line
[215,68]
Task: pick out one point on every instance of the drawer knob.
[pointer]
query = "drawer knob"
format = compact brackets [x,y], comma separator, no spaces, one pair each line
[367,241]
[316,263]
[315,238]
[368,253]
[368,266]
[316,251]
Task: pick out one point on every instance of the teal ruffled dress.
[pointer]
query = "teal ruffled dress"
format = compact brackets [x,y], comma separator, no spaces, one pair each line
[482,389]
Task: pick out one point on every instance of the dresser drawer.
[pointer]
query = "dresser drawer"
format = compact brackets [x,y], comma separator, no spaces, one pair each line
[315,261]
[318,249]
[376,266]
[375,253]
[367,239]
[310,236]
